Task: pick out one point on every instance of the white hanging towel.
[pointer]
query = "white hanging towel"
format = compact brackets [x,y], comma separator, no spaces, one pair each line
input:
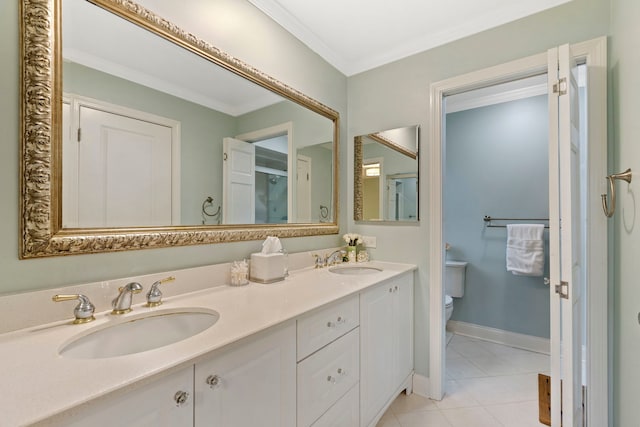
[525,249]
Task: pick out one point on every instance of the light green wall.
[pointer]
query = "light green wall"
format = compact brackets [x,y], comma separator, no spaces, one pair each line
[624,66]
[267,47]
[202,131]
[390,96]
[397,95]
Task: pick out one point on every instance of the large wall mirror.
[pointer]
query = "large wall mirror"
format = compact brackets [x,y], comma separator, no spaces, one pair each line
[137,134]
[386,175]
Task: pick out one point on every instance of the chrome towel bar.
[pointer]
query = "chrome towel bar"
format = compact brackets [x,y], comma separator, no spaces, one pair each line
[487,219]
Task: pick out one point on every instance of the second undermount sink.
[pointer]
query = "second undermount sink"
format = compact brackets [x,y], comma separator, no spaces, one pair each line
[140,333]
[355,270]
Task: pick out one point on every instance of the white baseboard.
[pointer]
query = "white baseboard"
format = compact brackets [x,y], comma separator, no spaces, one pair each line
[512,339]
[421,385]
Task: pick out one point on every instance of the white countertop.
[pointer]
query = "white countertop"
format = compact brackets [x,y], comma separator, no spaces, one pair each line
[38,383]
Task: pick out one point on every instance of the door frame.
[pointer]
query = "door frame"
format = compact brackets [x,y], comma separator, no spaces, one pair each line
[594,54]
[382,216]
[270,132]
[309,161]
[70,151]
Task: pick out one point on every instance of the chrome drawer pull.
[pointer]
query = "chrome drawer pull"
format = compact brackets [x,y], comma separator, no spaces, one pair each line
[213,381]
[181,397]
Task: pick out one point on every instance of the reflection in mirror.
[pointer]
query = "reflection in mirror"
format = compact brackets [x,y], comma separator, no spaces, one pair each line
[386,175]
[146,136]
[128,131]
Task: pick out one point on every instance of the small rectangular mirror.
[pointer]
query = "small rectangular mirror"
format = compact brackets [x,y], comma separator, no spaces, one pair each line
[386,175]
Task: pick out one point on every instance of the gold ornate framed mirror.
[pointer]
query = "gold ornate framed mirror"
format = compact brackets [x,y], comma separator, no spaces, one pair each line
[386,176]
[49,222]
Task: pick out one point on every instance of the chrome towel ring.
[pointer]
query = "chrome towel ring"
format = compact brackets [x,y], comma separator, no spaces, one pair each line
[625,176]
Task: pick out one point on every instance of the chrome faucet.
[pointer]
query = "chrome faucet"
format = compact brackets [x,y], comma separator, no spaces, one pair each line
[154,296]
[335,257]
[330,259]
[122,303]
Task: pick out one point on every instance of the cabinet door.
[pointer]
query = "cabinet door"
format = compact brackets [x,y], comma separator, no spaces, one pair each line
[252,383]
[377,352]
[160,404]
[403,307]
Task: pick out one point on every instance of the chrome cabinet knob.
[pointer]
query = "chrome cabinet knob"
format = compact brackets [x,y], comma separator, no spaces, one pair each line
[341,372]
[340,320]
[181,397]
[213,381]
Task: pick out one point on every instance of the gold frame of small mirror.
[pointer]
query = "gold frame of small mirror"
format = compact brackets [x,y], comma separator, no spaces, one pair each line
[358,162]
[41,228]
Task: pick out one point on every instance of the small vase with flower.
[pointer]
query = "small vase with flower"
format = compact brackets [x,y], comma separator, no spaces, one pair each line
[352,240]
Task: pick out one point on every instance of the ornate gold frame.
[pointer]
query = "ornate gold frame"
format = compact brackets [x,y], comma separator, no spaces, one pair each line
[41,84]
[358,210]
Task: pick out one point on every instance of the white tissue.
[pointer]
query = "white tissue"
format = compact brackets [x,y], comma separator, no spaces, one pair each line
[271,245]
[269,265]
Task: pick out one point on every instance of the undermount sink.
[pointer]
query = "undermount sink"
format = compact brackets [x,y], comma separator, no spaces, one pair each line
[141,333]
[355,270]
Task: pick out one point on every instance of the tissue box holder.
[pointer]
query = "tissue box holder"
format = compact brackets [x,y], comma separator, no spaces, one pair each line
[267,268]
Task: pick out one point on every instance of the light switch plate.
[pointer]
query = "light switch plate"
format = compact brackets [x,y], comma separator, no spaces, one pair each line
[369,241]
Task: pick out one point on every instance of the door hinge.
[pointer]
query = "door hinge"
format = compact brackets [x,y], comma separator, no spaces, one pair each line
[79,134]
[563,290]
[224,156]
[560,87]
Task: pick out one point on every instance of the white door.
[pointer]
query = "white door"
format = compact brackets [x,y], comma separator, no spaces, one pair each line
[303,189]
[238,182]
[124,171]
[564,240]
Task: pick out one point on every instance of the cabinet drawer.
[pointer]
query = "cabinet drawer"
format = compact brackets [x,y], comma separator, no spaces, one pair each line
[321,327]
[345,413]
[326,376]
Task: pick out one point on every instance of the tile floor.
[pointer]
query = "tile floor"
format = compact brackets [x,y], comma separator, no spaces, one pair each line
[488,384]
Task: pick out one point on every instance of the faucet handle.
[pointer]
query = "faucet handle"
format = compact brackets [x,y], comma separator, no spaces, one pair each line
[319,261]
[154,296]
[83,311]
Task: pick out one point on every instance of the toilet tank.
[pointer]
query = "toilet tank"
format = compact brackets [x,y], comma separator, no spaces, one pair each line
[454,275]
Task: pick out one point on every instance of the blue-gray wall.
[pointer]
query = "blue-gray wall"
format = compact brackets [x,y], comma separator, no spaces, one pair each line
[497,165]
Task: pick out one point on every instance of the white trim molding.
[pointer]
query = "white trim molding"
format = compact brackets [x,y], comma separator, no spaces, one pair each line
[421,385]
[594,54]
[500,336]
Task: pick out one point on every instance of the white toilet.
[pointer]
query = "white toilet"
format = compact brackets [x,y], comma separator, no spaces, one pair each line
[454,275]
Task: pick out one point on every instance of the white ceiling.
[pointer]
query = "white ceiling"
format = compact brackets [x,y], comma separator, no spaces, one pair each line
[358,35]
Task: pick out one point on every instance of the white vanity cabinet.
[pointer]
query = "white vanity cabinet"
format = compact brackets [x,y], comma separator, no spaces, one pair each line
[339,364]
[329,365]
[250,383]
[386,344]
[167,402]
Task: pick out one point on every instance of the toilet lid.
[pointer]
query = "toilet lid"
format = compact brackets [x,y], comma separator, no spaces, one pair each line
[448,300]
